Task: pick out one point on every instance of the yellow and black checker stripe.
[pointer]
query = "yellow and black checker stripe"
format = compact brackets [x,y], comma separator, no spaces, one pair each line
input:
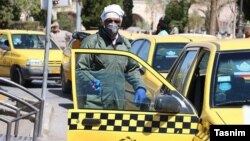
[125,122]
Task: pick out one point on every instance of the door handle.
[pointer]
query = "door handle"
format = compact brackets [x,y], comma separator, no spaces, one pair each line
[91,121]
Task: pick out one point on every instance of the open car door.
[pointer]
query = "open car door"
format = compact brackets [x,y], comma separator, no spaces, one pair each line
[165,115]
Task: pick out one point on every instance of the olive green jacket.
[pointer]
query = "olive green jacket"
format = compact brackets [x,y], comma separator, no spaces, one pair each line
[111,70]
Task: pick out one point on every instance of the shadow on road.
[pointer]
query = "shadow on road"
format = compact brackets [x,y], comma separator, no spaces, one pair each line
[66,105]
[37,84]
[59,92]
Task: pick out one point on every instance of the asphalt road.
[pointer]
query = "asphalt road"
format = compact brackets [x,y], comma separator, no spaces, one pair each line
[59,102]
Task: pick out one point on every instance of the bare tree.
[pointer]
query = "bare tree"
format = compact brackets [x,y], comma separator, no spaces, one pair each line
[213,15]
[233,8]
[217,5]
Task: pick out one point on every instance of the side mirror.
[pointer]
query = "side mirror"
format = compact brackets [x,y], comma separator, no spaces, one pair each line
[167,103]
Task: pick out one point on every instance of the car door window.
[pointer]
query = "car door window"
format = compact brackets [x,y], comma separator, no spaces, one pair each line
[4,42]
[196,88]
[144,51]
[165,55]
[179,76]
[135,46]
[112,110]
[111,96]
[231,85]
[31,41]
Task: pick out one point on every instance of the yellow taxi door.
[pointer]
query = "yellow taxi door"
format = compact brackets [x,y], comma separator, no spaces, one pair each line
[164,115]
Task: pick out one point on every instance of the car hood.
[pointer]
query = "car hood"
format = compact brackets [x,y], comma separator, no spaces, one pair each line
[234,115]
[39,54]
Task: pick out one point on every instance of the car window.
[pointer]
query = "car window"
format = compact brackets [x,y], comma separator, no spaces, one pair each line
[30,41]
[4,42]
[165,55]
[135,46]
[178,78]
[115,94]
[196,87]
[144,51]
[232,79]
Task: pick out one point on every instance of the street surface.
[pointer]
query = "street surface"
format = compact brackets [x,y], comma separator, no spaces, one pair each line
[59,102]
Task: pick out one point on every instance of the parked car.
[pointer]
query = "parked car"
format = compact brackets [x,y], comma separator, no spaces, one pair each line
[214,77]
[161,51]
[22,58]
[171,117]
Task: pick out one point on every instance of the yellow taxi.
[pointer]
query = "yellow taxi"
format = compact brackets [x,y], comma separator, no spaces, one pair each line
[158,118]
[22,56]
[161,51]
[207,85]
[214,77]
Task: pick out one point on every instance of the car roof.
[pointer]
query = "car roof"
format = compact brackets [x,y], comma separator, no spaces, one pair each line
[226,44]
[15,31]
[164,39]
[198,37]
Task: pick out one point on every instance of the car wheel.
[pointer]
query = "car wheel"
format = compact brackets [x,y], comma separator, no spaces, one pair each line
[16,76]
[66,84]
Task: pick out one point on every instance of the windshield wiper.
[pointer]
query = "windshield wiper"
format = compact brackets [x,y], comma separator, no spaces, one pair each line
[230,103]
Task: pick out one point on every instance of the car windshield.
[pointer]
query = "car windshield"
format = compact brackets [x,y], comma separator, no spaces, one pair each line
[30,41]
[165,55]
[232,79]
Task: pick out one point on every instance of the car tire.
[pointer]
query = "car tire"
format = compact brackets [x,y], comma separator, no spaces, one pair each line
[16,76]
[66,84]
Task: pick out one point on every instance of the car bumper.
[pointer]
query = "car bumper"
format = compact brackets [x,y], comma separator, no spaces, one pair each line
[30,73]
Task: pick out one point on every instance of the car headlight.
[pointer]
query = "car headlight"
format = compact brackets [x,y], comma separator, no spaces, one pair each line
[34,62]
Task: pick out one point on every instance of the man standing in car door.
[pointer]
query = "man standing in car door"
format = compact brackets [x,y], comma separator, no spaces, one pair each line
[106,73]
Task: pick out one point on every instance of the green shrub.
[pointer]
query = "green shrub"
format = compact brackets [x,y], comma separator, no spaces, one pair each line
[28,25]
[66,21]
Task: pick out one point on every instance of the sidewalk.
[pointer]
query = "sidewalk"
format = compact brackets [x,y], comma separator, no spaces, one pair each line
[54,123]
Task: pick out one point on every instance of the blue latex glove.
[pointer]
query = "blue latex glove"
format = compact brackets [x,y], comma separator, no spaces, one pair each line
[140,96]
[96,85]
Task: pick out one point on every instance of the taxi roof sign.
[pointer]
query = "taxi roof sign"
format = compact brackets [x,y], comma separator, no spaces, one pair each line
[56,3]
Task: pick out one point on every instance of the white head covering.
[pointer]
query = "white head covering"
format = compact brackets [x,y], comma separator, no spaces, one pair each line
[112,10]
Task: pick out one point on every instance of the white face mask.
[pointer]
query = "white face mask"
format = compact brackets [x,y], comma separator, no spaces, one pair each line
[112,29]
